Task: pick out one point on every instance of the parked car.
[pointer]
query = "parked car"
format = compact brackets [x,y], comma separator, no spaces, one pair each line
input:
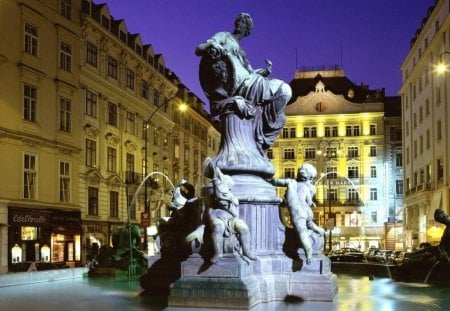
[396,257]
[346,255]
[370,253]
[382,255]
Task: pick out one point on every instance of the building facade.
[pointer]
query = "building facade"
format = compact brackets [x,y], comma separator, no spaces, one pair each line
[342,129]
[88,111]
[425,117]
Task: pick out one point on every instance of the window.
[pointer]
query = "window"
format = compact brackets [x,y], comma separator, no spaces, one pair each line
[91,104]
[427,107]
[373,172]
[65,56]
[113,204]
[112,160]
[373,216]
[332,195]
[130,162]
[285,133]
[313,132]
[31,39]
[373,129]
[306,132]
[310,153]
[352,152]
[331,152]
[399,186]
[112,67]
[144,89]
[93,201]
[428,140]
[398,159]
[420,114]
[131,122]
[348,130]
[105,22]
[353,172]
[130,79]
[332,172]
[289,172]
[373,151]
[352,195]
[132,207]
[65,106]
[156,98]
[331,131]
[421,144]
[64,182]
[292,132]
[352,130]
[396,134]
[438,96]
[29,176]
[91,54]
[66,8]
[334,131]
[439,130]
[289,154]
[91,153]
[373,194]
[29,102]
[270,154]
[440,169]
[112,114]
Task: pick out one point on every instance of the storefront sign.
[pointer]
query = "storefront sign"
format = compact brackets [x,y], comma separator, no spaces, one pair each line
[29,218]
[67,219]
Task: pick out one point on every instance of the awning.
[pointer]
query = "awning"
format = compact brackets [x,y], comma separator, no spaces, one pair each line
[435,204]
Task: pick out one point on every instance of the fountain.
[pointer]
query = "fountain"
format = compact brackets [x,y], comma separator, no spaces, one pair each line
[430,264]
[228,248]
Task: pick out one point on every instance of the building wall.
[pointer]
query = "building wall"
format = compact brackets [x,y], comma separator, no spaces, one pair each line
[88,37]
[360,222]
[425,117]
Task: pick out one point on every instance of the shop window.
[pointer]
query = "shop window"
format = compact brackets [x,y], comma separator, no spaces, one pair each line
[29,233]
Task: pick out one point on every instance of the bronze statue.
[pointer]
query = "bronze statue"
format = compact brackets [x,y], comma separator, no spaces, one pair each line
[251,105]
[299,199]
[224,218]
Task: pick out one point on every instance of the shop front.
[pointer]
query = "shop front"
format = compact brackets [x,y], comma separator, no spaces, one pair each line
[43,235]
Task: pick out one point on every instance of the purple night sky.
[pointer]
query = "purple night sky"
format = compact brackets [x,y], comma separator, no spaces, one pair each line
[374,36]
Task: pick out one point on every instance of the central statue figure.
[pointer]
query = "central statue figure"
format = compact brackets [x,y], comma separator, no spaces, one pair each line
[250,105]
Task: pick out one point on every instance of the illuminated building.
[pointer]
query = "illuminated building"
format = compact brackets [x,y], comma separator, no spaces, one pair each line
[77,97]
[425,117]
[352,135]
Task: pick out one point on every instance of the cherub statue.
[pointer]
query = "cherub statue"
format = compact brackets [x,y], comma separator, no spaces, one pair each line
[299,199]
[224,217]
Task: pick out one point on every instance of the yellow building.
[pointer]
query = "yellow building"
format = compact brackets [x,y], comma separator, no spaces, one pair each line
[425,116]
[87,110]
[341,128]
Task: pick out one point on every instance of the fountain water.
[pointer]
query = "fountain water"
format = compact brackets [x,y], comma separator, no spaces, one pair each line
[132,264]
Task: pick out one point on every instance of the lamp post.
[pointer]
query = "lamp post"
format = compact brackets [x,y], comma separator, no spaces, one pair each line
[442,66]
[329,155]
[182,107]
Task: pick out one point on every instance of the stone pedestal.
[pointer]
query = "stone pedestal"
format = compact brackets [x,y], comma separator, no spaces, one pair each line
[237,284]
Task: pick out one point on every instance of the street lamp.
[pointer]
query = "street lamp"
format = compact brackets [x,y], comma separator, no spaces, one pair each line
[329,154]
[182,107]
[442,66]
